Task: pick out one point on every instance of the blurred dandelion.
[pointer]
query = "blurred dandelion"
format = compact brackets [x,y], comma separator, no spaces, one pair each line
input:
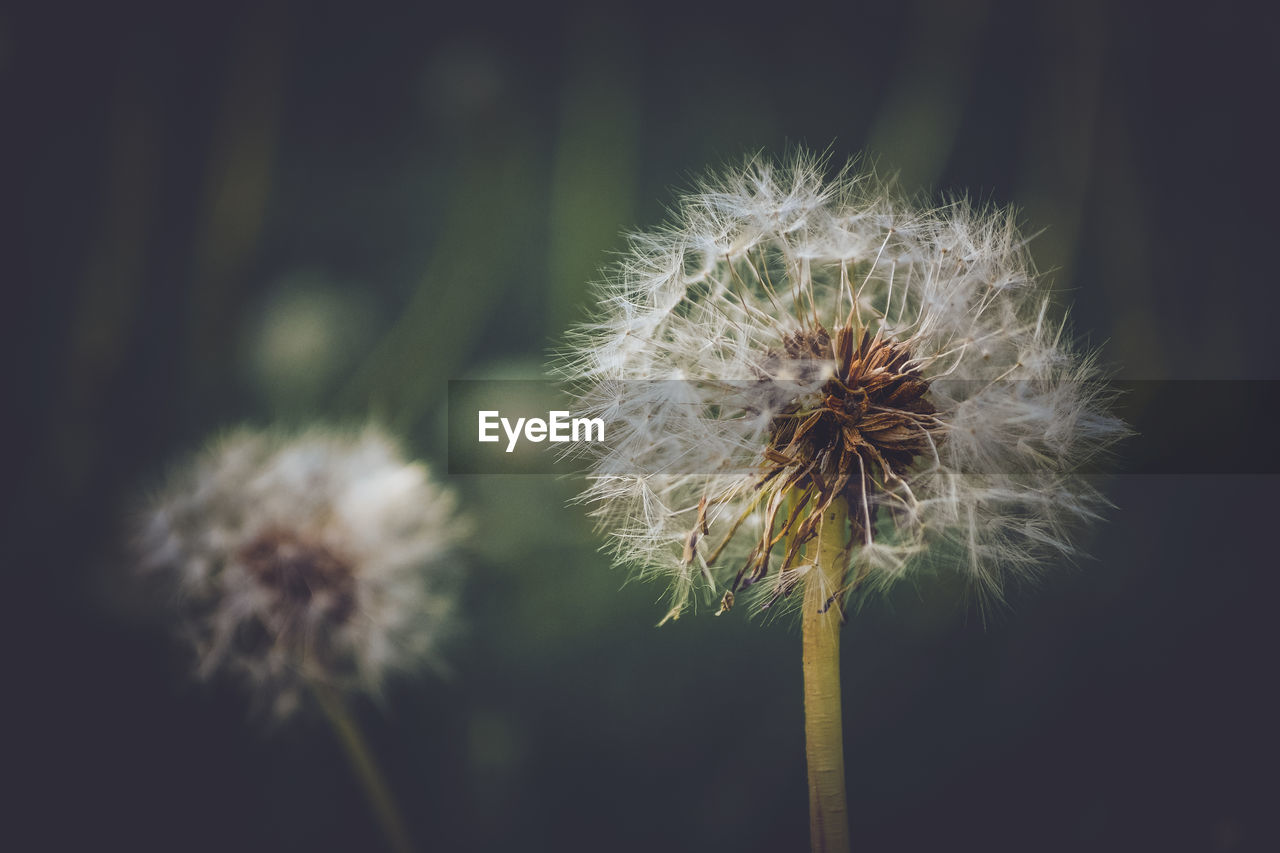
[308,332]
[319,564]
[814,384]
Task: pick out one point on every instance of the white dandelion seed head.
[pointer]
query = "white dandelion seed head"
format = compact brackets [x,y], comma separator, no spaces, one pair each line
[320,558]
[788,340]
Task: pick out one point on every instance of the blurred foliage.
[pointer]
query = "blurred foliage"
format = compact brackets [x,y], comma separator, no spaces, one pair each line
[273,212]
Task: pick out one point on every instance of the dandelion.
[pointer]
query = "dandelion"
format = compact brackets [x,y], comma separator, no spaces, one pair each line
[318,565]
[814,387]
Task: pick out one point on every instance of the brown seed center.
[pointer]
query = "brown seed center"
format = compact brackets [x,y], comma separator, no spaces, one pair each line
[864,427]
[853,439]
[305,577]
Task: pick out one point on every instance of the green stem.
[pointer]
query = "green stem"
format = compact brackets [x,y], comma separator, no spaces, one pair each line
[824,740]
[371,778]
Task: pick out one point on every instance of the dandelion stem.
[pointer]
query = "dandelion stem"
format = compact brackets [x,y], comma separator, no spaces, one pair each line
[362,761]
[824,741]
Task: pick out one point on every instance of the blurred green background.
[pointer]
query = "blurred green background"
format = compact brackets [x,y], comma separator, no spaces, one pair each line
[274,213]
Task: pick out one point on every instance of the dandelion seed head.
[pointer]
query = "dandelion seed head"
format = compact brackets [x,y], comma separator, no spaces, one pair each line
[317,558]
[790,339]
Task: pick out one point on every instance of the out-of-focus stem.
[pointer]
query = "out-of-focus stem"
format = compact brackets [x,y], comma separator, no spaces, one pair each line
[371,778]
[824,740]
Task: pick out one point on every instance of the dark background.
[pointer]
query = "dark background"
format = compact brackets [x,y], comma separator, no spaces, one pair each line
[278,214]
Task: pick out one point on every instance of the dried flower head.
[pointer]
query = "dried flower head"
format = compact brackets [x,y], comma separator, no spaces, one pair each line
[788,341]
[322,558]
